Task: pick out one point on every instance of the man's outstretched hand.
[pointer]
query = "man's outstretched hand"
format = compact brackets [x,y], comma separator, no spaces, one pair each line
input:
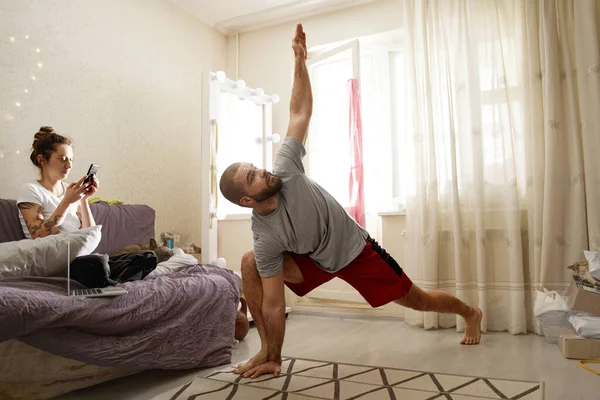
[299,42]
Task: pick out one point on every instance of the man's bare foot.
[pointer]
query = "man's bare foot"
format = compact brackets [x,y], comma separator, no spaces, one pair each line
[254,362]
[473,328]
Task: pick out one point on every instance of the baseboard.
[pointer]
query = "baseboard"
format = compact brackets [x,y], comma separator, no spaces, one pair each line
[341,312]
[287,311]
[345,313]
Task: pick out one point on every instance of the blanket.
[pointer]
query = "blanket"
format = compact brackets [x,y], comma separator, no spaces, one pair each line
[178,321]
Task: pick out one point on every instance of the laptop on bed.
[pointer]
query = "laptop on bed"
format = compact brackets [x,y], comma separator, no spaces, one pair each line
[110,291]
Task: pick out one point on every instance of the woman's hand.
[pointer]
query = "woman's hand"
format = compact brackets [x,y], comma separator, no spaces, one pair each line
[84,212]
[75,192]
[91,188]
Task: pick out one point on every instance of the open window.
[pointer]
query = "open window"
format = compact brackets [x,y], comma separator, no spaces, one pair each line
[328,144]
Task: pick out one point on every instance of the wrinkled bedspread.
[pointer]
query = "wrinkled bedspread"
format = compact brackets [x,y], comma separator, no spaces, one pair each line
[177,321]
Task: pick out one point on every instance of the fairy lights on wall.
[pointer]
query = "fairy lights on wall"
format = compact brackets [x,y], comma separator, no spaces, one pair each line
[31,78]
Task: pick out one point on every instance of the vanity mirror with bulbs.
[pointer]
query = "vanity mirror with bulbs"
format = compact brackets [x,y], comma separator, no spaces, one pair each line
[236,126]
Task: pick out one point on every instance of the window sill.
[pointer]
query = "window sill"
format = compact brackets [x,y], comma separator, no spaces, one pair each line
[242,217]
[390,213]
[236,217]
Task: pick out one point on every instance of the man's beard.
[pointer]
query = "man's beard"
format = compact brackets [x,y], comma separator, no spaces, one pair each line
[269,191]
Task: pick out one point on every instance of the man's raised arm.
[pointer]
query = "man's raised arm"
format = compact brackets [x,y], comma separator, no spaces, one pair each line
[301,102]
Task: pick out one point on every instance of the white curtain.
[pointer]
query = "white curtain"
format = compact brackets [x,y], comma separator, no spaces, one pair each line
[561,81]
[498,201]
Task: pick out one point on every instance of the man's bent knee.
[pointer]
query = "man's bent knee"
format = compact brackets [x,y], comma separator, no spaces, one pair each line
[248,258]
[416,298]
[248,264]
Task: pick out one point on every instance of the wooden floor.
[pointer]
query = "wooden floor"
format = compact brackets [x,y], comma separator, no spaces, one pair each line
[388,343]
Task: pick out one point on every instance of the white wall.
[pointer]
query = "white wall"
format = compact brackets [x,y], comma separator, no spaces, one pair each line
[266,60]
[123,79]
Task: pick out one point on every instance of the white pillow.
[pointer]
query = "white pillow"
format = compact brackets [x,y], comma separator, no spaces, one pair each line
[177,261]
[46,256]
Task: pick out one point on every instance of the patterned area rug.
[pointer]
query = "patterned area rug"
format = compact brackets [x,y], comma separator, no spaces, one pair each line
[303,379]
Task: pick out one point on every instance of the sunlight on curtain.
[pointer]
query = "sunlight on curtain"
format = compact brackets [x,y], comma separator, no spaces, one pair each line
[499,105]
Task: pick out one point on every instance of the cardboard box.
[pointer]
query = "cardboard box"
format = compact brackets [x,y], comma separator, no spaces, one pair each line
[574,346]
[583,297]
[198,256]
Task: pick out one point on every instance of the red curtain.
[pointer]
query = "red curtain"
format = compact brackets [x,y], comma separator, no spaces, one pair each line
[356,184]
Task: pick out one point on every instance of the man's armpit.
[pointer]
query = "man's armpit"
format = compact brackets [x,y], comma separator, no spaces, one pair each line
[288,164]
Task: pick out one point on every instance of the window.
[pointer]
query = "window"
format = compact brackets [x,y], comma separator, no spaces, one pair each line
[401,160]
[382,89]
[501,112]
[328,144]
[389,130]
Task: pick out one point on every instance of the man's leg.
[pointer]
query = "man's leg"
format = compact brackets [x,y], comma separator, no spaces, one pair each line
[381,280]
[443,302]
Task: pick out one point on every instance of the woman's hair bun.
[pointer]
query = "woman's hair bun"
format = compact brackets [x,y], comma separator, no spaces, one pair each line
[47,129]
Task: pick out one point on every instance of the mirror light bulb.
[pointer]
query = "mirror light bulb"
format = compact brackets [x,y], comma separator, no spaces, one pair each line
[221,76]
[221,215]
[240,84]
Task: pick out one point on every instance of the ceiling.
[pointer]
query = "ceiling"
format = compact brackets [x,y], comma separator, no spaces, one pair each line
[231,16]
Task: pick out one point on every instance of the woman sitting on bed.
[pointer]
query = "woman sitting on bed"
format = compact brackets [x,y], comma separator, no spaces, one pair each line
[49,205]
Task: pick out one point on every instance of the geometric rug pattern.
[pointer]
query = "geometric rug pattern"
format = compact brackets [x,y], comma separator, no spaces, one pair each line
[303,379]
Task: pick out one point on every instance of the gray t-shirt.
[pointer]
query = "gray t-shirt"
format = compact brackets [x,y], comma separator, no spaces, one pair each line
[308,220]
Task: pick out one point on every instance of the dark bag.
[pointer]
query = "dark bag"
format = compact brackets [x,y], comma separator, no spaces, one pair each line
[132,266]
[92,271]
[100,270]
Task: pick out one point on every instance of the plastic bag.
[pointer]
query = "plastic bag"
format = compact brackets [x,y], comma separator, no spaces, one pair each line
[593,259]
[549,301]
[586,325]
[552,311]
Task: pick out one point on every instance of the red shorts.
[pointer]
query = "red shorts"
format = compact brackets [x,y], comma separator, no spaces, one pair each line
[374,273]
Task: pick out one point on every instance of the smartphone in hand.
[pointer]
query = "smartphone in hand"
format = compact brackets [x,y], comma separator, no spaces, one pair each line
[91,172]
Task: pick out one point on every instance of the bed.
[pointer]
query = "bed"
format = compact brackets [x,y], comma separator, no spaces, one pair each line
[52,344]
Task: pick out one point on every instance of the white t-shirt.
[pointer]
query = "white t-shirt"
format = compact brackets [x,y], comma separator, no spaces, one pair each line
[36,193]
